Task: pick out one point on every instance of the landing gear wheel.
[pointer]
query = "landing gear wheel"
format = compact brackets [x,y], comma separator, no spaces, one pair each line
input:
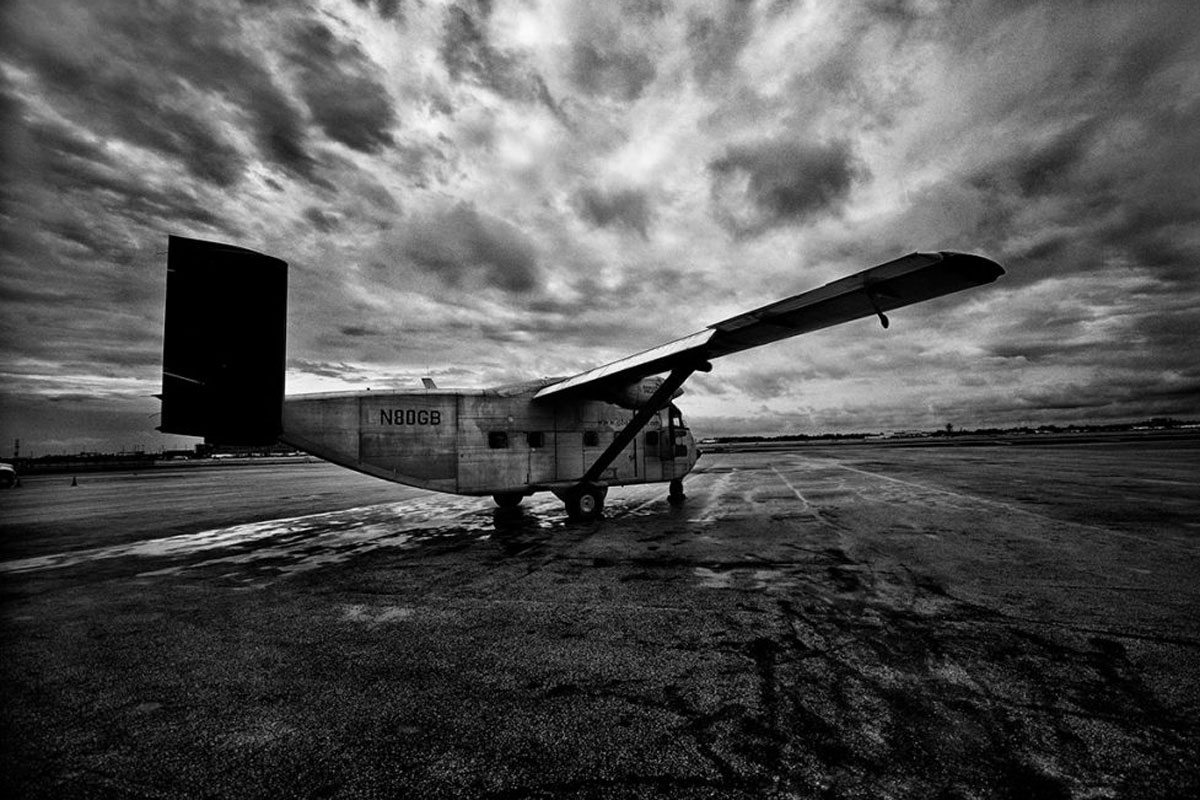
[675,495]
[508,499]
[585,503]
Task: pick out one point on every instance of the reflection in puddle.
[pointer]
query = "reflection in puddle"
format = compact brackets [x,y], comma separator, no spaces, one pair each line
[307,542]
[298,544]
[375,615]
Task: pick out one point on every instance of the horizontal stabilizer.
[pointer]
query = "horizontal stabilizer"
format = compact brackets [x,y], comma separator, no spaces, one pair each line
[872,292]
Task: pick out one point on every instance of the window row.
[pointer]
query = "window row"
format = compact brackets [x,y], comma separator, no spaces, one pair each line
[498,440]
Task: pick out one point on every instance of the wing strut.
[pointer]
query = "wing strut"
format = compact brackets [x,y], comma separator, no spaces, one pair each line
[652,407]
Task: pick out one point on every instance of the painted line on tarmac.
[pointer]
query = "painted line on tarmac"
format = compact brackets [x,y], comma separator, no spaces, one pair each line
[809,508]
[984,501]
[709,513]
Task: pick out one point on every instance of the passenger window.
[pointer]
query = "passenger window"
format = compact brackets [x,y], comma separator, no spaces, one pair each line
[536,439]
[497,440]
[591,439]
[652,439]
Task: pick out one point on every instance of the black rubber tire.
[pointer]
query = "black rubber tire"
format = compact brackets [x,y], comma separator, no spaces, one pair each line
[508,499]
[586,503]
[675,495]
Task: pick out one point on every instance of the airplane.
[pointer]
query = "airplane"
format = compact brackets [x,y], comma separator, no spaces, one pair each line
[223,378]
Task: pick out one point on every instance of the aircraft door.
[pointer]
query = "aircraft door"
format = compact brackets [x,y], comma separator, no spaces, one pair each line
[543,461]
[676,431]
[678,447]
[653,444]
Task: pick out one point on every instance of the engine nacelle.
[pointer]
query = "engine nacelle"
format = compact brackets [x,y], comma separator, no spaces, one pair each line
[636,395]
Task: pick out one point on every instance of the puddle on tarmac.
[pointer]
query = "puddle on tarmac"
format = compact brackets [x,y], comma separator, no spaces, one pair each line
[307,542]
[293,545]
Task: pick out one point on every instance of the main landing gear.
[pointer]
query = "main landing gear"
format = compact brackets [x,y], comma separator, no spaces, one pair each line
[675,495]
[508,499]
[584,502]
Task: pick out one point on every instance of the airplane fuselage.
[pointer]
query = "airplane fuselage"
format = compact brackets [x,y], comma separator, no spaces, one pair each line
[485,442]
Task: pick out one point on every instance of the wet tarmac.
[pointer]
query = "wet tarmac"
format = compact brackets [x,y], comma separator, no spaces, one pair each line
[838,622]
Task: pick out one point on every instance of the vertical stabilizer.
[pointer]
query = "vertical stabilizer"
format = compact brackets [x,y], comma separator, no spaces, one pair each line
[224,343]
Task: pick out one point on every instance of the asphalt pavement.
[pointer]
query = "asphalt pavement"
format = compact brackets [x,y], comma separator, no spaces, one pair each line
[837,622]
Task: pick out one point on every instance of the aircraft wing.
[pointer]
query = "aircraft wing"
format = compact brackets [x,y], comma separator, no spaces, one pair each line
[872,292]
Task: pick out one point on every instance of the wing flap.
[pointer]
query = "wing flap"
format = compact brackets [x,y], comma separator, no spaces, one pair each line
[910,279]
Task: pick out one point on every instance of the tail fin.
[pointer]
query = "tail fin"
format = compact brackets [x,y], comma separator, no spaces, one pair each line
[223,343]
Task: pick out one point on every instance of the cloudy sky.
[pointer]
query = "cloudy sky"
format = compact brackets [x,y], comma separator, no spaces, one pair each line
[486,192]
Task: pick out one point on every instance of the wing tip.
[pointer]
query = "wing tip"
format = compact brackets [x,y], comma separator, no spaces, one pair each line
[978,269]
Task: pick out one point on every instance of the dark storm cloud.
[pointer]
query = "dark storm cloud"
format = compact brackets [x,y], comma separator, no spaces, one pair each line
[80,221]
[715,43]
[1101,122]
[1057,138]
[135,71]
[645,11]
[917,16]
[281,137]
[323,221]
[554,106]
[423,164]
[1039,169]
[789,383]
[387,9]
[324,369]
[118,101]
[462,247]
[603,321]
[42,156]
[622,208]
[615,73]
[466,51]
[337,81]
[469,55]
[1100,182]
[786,181]
[1106,398]
[761,386]
[640,289]
[358,331]
[72,345]
[1149,328]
